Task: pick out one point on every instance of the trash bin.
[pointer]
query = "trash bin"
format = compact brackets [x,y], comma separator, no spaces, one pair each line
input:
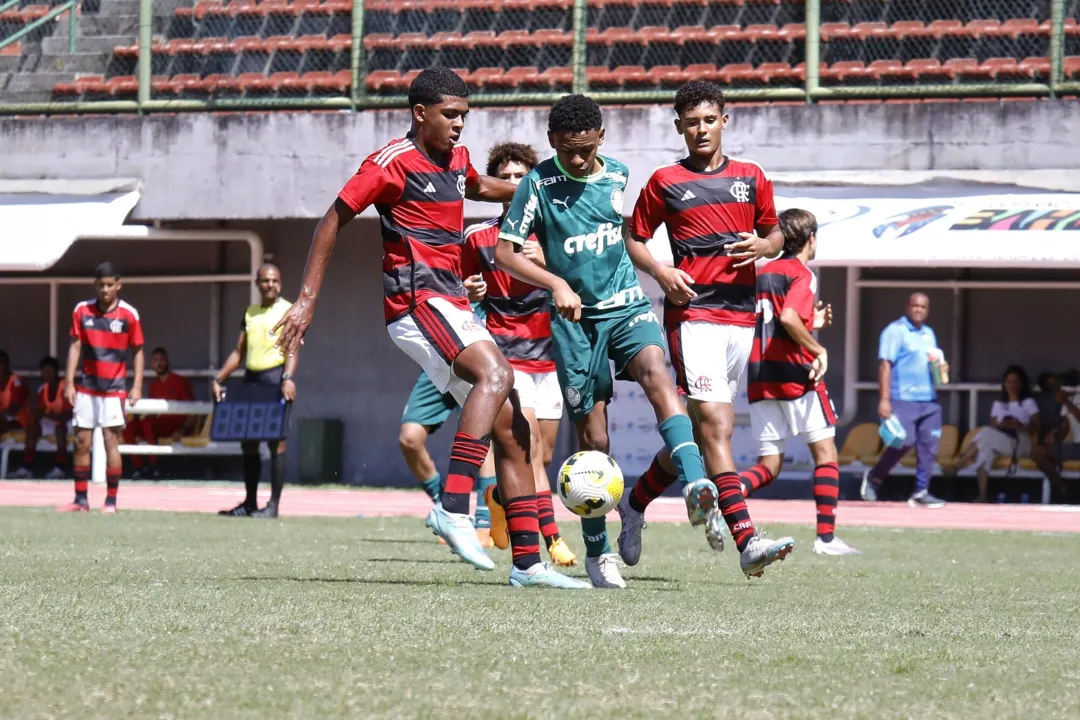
[320,450]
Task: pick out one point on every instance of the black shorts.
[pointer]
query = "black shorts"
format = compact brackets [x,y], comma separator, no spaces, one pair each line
[271,376]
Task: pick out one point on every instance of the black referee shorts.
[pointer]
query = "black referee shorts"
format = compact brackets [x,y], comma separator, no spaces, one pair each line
[271,376]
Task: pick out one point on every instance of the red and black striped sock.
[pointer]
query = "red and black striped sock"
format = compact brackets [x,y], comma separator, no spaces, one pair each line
[650,486]
[467,454]
[733,508]
[82,482]
[826,497]
[61,458]
[523,526]
[28,457]
[112,484]
[546,513]
[754,479]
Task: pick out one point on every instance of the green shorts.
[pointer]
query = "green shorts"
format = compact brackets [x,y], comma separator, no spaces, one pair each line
[583,352]
[426,405]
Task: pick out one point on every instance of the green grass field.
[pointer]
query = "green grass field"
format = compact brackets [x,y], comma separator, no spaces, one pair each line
[181,616]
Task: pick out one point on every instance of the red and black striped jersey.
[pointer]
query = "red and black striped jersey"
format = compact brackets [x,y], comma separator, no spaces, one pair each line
[704,213]
[518,317]
[779,366]
[421,205]
[106,338]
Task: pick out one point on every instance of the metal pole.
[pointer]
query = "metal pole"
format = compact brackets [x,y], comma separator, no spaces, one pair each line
[813,48]
[54,317]
[73,22]
[852,319]
[579,55]
[359,84]
[1057,44]
[146,19]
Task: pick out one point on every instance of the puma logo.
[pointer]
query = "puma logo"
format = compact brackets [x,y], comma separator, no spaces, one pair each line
[512,223]
[556,201]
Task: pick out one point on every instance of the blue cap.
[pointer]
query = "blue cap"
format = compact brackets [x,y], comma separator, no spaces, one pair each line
[892,432]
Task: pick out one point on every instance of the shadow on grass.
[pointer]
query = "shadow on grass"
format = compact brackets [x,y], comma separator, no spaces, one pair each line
[447,561]
[371,581]
[402,541]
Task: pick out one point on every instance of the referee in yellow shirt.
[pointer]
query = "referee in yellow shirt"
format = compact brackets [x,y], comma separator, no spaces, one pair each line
[264,364]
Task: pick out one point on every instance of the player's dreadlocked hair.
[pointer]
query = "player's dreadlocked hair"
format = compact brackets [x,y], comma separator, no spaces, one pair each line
[797,226]
[435,83]
[575,114]
[698,92]
[510,152]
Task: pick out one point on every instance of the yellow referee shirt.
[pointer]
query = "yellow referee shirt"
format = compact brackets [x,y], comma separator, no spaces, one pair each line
[259,322]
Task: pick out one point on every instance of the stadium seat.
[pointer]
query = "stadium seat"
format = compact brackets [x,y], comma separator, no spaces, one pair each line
[861,441]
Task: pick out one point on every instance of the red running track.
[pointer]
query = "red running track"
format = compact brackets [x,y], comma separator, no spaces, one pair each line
[387,503]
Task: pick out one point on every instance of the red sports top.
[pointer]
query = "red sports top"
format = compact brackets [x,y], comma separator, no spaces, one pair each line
[779,366]
[173,387]
[15,400]
[55,405]
[517,313]
[705,212]
[421,204]
[106,338]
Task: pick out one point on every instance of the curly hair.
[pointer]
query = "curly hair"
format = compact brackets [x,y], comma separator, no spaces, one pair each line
[797,226]
[510,152]
[698,92]
[435,83]
[575,114]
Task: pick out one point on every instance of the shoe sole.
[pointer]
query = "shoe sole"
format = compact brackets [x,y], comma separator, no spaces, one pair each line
[782,552]
[516,584]
[928,506]
[702,500]
[476,564]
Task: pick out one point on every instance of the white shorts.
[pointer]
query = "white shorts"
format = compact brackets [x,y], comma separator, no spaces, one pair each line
[774,421]
[539,391]
[93,411]
[433,335]
[48,426]
[710,359]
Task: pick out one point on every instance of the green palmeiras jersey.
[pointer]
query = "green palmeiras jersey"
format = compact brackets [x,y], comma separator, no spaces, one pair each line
[579,225]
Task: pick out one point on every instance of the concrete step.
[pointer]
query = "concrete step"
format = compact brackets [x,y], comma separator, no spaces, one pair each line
[9,63]
[78,62]
[96,26]
[102,44]
[39,83]
[119,8]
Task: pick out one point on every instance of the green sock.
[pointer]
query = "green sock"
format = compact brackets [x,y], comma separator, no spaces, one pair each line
[433,488]
[678,436]
[594,530]
[483,514]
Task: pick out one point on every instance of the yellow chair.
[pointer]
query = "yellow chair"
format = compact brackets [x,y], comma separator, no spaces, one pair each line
[950,436]
[16,435]
[863,441]
[202,437]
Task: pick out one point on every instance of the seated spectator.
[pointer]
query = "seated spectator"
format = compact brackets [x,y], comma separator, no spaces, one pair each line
[1053,449]
[52,417]
[1014,421]
[14,398]
[167,385]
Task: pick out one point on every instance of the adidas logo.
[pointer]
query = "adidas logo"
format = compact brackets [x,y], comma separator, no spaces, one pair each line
[430,187]
[688,196]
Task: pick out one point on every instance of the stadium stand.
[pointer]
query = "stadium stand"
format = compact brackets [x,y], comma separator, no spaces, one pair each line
[302,48]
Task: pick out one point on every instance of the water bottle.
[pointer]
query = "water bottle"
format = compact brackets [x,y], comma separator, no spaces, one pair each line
[1001,497]
[1024,498]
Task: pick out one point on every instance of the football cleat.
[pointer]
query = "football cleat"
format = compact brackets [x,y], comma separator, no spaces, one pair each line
[761,552]
[714,530]
[541,574]
[836,546]
[499,534]
[630,535]
[74,507]
[700,497]
[604,571]
[561,554]
[458,532]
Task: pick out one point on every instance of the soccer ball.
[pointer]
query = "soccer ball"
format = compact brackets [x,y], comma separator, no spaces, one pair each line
[590,483]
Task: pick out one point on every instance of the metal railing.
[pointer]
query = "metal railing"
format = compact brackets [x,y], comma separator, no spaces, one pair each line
[337,54]
[70,7]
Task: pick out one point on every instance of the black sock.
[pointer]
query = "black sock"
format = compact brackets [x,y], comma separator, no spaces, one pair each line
[252,470]
[277,476]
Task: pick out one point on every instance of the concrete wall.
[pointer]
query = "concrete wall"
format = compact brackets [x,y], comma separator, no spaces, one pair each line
[290,165]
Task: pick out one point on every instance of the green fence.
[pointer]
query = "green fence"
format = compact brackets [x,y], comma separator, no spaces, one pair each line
[355,54]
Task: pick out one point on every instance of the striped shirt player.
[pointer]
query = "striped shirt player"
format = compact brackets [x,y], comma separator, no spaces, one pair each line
[105,338]
[421,208]
[519,322]
[784,402]
[704,211]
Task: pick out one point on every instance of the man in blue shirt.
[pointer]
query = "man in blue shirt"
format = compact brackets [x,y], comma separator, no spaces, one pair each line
[907,390]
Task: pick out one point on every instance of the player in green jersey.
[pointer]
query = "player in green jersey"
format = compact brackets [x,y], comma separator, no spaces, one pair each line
[573,203]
